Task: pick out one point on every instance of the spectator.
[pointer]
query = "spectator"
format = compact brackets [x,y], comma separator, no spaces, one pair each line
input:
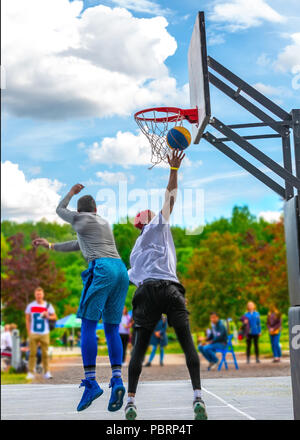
[216,340]
[38,313]
[71,341]
[274,327]
[251,320]
[124,330]
[6,340]
[159,337]
[64,339]
[6,348]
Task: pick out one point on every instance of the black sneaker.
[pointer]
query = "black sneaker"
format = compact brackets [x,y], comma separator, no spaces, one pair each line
[199,409]
[148,364]
[130,411]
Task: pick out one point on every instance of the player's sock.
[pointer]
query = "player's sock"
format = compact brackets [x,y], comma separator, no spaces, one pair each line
[131,400]
[116,371]
[89,347]
[197,394]
[90,372]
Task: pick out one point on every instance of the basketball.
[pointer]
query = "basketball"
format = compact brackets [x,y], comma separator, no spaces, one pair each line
[179,138]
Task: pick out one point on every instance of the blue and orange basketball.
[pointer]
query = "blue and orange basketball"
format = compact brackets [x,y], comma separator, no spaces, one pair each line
[179,138]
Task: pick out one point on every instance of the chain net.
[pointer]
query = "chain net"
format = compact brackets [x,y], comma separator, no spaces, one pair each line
[155,126]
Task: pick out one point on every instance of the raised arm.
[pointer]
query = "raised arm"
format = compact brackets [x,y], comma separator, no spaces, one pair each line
[171,191]
[62,211]
[67,246]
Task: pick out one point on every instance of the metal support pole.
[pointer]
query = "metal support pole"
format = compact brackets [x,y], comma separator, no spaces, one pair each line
[16,350]
[292,232]
[287,162]
[296,133]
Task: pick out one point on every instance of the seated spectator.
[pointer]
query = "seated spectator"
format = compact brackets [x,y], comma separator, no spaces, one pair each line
[6,340]
[6,348]
[216,340]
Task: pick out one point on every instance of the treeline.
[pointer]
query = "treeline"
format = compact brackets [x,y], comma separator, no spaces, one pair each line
[231,261]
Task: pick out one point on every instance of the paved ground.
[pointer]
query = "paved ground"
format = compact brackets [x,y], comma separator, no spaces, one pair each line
[234,398]
[68,370]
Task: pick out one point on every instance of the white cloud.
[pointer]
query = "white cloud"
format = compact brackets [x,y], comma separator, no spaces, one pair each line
[107,178]
[141,6]
[270,216]
[214,177]
[263,60]
[289,59]
[243,14]
[124,149]
[23,200]
[267,89]
[35,170]
[107,62]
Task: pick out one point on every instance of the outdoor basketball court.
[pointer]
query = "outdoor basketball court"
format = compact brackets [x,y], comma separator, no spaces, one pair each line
[255,398]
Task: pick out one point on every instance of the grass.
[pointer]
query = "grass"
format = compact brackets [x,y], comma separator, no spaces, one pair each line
[13,378]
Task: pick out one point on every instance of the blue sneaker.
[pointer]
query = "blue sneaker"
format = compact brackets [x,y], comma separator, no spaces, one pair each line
[117,394]
[91,392]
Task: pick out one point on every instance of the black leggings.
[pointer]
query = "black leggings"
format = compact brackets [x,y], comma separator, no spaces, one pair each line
[249,343]
[142,340]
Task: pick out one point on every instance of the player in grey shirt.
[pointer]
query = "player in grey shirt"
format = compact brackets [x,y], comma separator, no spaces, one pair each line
[105,285]
[94,235]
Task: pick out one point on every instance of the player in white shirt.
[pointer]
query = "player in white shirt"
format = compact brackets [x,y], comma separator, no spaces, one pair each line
[153,271]
[38,313]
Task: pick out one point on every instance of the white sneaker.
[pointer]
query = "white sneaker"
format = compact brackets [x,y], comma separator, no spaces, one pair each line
[48,375]
[30,376]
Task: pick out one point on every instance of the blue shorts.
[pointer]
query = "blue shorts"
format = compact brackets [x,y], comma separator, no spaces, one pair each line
[105,286]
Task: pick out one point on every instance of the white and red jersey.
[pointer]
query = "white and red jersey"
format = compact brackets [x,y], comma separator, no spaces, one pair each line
[38,324]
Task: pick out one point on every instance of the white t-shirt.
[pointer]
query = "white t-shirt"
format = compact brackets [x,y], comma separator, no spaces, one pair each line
[154,255]
[6,340]
[38,324]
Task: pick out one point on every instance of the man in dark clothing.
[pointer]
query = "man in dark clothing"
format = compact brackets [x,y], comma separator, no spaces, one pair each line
[217,340]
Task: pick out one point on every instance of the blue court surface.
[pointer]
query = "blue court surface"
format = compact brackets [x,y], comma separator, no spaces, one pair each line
[264,398]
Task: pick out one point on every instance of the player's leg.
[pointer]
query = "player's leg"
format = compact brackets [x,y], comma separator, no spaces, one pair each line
[192,361]
[117,290]
[178,318]
[142,339]
[115,351]
[89,350]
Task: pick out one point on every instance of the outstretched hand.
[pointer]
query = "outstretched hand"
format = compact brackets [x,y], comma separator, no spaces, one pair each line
[40,242]
[176,158]
[76,189]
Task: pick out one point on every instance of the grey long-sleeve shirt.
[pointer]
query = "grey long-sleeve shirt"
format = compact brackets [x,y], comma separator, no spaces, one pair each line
[94,235]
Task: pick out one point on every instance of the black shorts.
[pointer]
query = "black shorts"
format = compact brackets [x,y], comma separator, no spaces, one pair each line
[153,298]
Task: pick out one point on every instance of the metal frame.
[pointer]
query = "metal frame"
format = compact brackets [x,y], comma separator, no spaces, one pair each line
[281,128]
[268,113]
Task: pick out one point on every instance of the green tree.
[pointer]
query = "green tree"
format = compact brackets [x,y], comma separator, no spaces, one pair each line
[216,278]
[27,269]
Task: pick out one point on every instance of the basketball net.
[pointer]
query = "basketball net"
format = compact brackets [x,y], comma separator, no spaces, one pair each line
[155,124]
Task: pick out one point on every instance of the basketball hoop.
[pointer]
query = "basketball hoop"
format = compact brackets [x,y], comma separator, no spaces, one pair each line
[155,124]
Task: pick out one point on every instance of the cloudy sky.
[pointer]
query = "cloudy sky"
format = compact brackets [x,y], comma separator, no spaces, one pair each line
[74,73]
